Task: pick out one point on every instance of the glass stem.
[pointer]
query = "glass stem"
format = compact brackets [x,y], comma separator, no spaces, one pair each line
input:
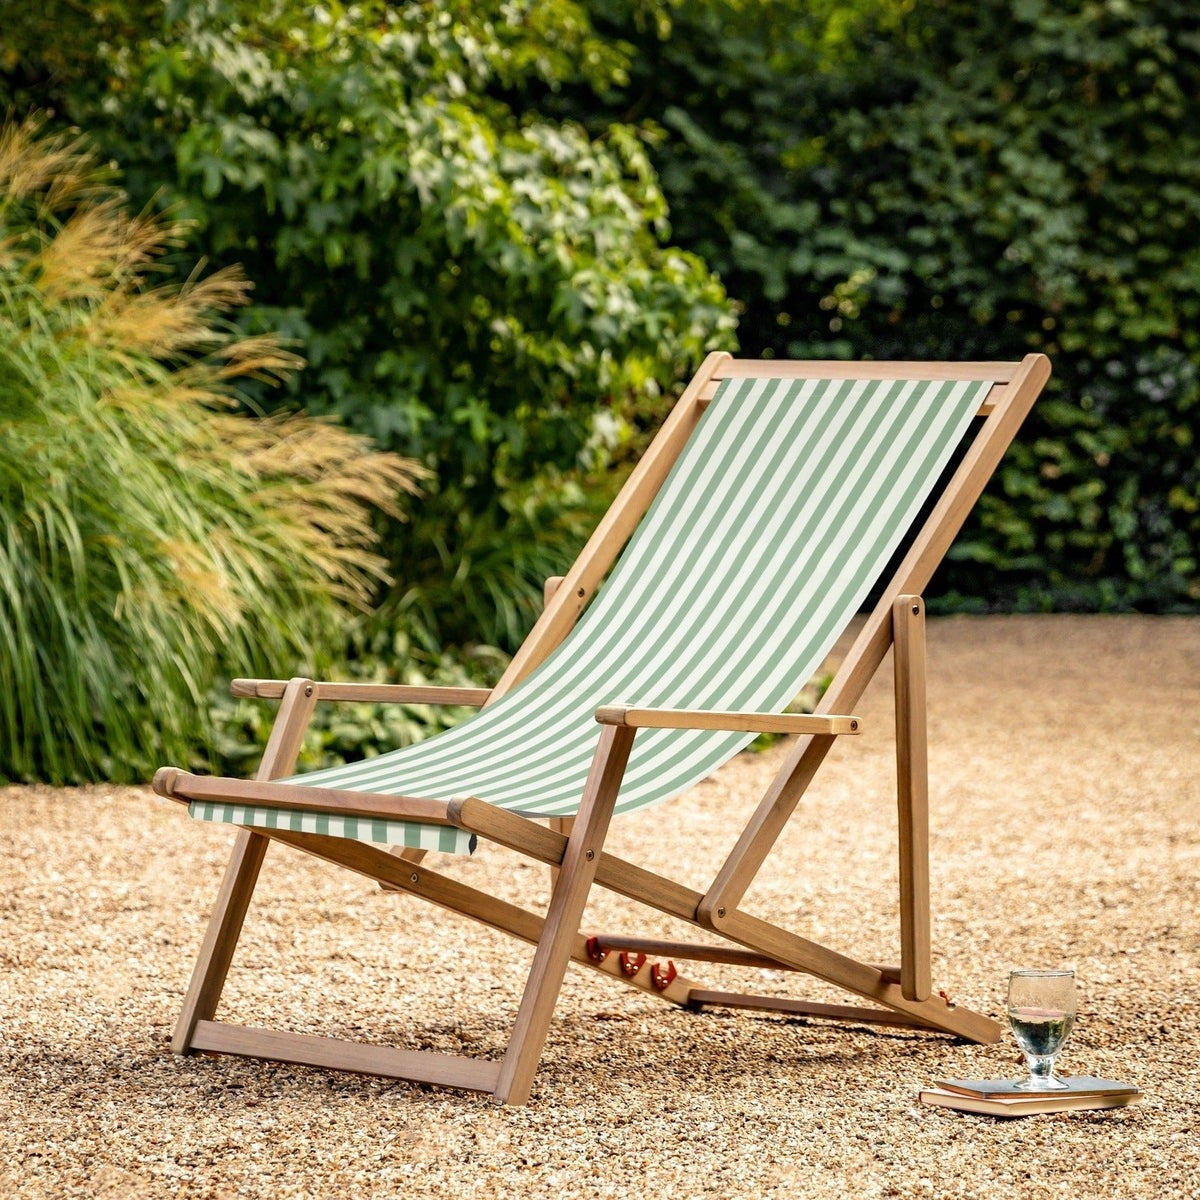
[1041,1067]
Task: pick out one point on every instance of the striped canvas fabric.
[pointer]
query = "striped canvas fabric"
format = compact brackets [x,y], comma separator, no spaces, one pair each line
[787,503]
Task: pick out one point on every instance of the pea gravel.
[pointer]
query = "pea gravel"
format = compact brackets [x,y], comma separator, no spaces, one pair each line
[1065,767]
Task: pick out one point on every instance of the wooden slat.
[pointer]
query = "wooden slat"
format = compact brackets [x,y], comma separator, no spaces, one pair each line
[994,395]
[509,829]
[287,732]
[912,795]
[370,693]
[636,883]
[865,656]
[562,825]
[445,1070]
[701,998]
[736,956]
[747,368]
[746,722]
[296,796]
[221,937]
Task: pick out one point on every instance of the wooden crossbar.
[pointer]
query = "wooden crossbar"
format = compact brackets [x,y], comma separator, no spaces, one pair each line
[747,368]
[447,1070]
[702,998]
[735,956]
[745,722]
[994,396]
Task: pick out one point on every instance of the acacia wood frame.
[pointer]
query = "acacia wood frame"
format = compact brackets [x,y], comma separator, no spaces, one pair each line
[574,849]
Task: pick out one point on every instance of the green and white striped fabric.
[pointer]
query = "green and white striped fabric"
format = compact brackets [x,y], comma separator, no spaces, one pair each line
[779,516]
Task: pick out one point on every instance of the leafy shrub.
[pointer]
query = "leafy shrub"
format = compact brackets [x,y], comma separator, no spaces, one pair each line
[154,539]
[340,732]
[488,292]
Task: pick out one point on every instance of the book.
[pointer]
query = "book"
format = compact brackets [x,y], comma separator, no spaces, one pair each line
[1026,1106]
[993,1089]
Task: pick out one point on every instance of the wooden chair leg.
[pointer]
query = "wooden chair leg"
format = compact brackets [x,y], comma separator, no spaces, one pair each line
[912,792]
[220,941]
[563,917]
[225,924]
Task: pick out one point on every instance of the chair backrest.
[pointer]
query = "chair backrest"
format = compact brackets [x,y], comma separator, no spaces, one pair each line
[786,504]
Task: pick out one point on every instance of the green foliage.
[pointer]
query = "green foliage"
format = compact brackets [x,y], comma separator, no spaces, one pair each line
[946,179]
[154,540]
[490,294]
[339,733]
[485,567]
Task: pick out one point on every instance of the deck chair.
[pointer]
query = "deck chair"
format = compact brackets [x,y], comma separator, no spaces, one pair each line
[762,516]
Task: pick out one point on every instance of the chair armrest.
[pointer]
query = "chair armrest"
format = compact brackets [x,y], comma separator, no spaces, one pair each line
[377,693]
[745,722]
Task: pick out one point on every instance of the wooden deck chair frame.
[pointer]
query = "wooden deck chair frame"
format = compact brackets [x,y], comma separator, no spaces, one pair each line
[897,995]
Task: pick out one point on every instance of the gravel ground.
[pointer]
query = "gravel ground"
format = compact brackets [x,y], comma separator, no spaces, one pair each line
[1066,830]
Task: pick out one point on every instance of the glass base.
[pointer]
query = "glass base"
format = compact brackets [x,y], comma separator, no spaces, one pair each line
[1041,1083]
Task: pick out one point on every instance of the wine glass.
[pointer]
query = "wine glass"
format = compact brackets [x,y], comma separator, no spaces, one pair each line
[1041,1011]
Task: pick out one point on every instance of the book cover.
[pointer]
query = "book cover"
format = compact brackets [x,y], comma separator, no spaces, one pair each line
[1025,1106]
[1077,1085]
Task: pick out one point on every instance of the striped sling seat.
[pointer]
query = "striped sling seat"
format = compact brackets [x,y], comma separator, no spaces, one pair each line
[781,513]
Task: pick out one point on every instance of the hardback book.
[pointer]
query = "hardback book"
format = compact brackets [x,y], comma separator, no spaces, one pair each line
[994,1089]
[1025,1106]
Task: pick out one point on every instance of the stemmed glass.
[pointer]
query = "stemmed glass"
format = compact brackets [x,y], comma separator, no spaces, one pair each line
[1041,1011]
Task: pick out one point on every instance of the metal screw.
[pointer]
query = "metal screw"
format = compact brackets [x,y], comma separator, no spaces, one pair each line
[415,877]
[308,689]
[590,855]
[916,610]
[581,593]
[720,912]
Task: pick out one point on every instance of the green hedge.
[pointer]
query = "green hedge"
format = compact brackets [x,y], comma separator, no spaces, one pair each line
[946,179]
[478,280]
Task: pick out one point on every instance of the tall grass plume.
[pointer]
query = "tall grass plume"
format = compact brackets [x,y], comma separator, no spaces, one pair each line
[155,538]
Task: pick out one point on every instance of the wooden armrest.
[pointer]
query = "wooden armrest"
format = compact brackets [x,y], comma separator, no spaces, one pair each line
[183,786]
[745,722]
[377,693]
